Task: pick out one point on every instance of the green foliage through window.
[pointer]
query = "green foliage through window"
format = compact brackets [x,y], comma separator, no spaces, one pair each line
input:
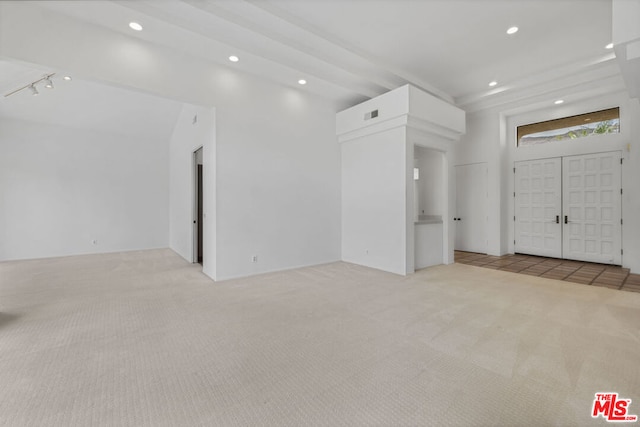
[570,128]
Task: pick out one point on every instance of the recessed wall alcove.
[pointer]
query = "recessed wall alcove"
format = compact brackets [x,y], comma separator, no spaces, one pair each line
[381,223]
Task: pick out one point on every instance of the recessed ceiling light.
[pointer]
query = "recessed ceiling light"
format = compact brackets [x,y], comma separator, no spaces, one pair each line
[234,58]
[135,26]
[302,82]
[512,30]
[493,83]
[609,46]
[559,101]
[67,78]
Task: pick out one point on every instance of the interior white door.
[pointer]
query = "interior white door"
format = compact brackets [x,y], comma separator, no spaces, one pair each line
[471,208]
[592,206]
[538,207]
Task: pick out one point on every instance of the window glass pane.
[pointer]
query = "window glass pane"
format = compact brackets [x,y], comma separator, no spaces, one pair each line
[568,128]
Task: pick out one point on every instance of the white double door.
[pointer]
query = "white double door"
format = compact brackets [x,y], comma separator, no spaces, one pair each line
[570,207]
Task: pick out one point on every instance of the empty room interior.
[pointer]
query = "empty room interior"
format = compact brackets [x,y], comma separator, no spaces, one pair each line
[331,213]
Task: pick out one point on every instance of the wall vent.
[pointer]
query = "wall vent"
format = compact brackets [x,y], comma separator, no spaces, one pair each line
[371,115]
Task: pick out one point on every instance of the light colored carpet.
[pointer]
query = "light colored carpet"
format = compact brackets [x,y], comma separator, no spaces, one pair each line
[145,339]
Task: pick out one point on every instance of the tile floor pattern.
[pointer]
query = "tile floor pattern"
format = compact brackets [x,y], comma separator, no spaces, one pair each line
[586,273]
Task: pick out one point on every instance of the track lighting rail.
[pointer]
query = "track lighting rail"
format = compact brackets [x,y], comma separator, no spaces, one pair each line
[32,85]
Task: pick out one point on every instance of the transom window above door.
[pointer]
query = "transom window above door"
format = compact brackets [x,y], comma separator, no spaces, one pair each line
[569,128]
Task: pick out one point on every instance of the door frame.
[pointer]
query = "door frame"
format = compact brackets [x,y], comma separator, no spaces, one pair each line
[194,204]
[486,202]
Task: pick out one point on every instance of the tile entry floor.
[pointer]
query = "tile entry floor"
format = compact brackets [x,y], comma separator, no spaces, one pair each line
[586,273]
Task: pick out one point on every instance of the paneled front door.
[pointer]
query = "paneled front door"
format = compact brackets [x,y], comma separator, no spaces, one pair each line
[592,208]
[570,207]
[538,207]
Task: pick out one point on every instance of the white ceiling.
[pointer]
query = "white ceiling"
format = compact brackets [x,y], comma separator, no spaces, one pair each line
[85,105]
[459,46]
[16,75]
[351,50]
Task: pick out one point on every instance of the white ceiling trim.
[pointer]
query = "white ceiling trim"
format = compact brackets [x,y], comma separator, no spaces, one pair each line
[276,41]
[230,27]
[543,97]
[600,72]
[398,76]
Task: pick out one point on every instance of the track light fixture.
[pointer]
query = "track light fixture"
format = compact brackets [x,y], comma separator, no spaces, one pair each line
[48,83]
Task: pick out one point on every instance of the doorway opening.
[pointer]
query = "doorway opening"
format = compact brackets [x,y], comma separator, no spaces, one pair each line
[429,205]
[198,207]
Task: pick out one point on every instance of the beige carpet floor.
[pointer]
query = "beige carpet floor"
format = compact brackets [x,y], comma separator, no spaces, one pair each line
[145,339]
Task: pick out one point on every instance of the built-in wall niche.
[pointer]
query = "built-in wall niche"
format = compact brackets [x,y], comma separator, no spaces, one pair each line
[429,185]
[378,225]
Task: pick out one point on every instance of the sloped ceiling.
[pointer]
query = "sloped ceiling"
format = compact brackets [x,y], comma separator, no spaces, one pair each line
[85,105]
[352,50]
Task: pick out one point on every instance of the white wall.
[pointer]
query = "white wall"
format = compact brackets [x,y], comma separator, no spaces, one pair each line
[186,138]
[62,187]
[278,174]
[631,196]
[378,189]
[428,245]
[491,138]
[482,144]
[277,160]
[624,142]
[430,185]
[374,170]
